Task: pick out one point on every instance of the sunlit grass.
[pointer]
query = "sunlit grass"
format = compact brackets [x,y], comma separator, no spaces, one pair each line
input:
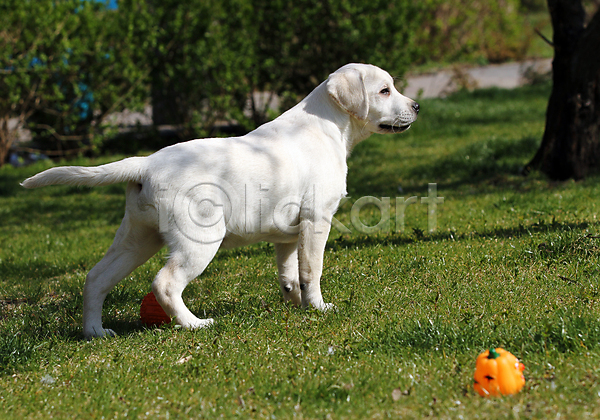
[513,263]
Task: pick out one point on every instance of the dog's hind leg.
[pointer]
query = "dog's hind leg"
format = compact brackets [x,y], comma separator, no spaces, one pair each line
[133,246]
[287,265]
[186,262]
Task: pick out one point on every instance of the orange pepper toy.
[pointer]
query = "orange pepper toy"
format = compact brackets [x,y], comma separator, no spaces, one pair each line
[151,313]
[498,372]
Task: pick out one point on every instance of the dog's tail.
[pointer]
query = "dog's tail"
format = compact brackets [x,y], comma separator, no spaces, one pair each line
[130,169]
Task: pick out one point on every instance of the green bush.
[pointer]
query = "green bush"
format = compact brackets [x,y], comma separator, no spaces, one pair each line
[209,56]
[301,42]
[198,54]
[482,30]
[65,66]
[534,5]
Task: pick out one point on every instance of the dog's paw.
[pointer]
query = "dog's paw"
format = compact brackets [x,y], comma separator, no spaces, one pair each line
[100,333]
[322,307]
[199,323]
[327,307]
[205,323]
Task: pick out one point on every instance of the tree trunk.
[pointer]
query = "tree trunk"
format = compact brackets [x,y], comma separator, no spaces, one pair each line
[571,144]
[6,138]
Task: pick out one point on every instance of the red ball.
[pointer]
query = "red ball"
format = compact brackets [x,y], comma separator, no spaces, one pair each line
[151,313]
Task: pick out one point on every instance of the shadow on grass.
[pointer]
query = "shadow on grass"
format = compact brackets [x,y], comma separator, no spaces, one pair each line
[37,270]
[473,164]
[352,241]
[65,208]
[10,184]
[480,161]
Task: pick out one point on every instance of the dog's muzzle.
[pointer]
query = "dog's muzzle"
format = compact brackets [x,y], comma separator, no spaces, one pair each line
[403,122]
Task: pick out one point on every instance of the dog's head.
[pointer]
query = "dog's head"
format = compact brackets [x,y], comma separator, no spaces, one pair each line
[368,94]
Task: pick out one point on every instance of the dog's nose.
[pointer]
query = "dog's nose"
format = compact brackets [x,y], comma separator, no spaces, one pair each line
[416,107]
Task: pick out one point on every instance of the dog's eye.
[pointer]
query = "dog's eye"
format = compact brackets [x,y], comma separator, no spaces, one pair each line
[385,91]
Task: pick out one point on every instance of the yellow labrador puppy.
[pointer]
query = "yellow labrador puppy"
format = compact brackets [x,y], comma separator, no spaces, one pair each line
[280,183]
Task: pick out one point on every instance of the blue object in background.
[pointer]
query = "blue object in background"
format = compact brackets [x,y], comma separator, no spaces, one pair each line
[87,96]
[83,103]
[110,4]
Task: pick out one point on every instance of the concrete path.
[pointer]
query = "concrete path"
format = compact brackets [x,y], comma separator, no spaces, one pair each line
[509,75]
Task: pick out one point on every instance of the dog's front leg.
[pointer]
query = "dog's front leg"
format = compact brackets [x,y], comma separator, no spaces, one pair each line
[311,246]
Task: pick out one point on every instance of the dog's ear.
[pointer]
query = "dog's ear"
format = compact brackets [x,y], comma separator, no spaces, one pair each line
[347,88]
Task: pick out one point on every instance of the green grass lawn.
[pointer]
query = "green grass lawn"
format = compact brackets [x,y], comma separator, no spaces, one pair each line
[513,263]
